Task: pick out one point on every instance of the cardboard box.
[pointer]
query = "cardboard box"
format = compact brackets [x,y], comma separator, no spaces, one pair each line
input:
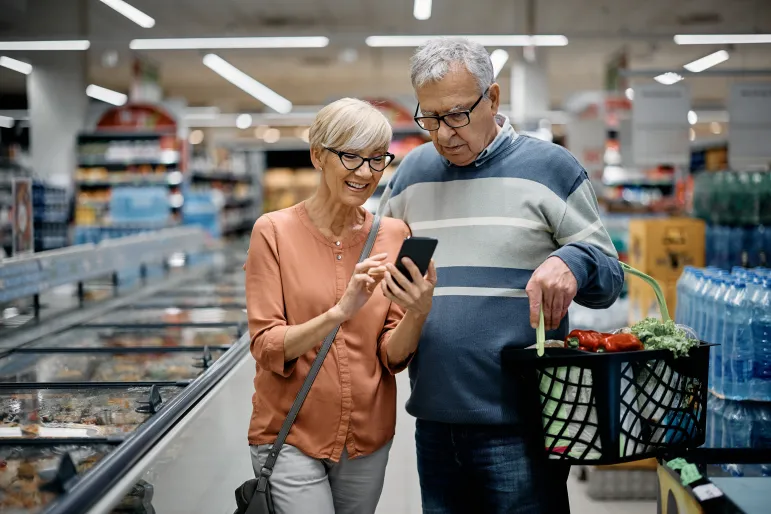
[661,248]
[643,302]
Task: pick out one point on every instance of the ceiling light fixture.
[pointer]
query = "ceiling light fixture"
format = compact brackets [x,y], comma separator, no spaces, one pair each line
[722,39]
[13,64]
[6,122]
[693,118]
[489,40]
[499,58]
[707,62]
[668,78]
[222,43]
[422,10]
[629,94]
[272,135]
[201,113]
[243,81]
[106,95]
[244,121]
[130,12]
[33,46]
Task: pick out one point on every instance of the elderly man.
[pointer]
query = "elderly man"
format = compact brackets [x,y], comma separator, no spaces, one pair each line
[519,230]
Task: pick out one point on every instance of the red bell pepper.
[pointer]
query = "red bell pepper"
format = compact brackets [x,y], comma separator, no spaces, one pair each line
[588,340]
[620,343]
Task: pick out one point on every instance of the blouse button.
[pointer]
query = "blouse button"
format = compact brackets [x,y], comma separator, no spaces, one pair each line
[337,243]
[339,257]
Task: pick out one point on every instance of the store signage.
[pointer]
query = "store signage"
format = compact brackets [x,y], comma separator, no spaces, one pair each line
[749,114]
[660,127]
[22,220]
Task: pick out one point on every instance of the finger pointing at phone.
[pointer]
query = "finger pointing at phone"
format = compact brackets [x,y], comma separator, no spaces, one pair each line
[414,294]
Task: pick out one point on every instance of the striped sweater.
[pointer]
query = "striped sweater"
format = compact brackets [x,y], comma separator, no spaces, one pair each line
[498,219]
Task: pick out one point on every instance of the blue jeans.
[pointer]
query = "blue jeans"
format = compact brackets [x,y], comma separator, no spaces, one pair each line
[485,469]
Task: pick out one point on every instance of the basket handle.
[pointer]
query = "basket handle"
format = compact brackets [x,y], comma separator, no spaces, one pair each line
[655,285]
[540,332]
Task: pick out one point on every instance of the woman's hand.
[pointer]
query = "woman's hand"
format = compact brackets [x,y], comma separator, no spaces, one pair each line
[414,297]
[366,276]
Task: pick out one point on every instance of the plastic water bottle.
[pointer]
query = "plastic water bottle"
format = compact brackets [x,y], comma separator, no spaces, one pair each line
[736,433]
[715,408]
[683,284]
[736,247]
[716,311]
[738,354]
[760,388]
[700,306]
[761,432]
[723,247]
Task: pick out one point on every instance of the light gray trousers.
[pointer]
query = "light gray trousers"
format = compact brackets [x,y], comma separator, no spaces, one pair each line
[302,484]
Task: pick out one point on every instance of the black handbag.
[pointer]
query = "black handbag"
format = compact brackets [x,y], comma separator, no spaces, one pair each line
[253,496]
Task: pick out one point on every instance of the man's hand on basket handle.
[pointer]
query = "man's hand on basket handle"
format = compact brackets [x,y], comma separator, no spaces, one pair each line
[554,286]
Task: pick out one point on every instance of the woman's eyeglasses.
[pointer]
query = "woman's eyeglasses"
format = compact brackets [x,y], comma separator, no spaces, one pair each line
[456,119]
[353,162]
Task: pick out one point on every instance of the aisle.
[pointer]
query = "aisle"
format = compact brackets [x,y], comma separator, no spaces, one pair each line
[401,493]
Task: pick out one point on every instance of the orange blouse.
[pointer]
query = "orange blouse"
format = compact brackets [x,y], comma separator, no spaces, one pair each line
[293,274]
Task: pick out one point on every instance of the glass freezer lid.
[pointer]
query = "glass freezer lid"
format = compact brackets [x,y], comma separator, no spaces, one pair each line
[25,470]
[21,368]
[235,300]
[206,289]
[214,316]
[138,337]
[78,412]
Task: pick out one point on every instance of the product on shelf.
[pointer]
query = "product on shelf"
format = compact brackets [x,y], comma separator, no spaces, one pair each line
[732,310]
[734,424]
[24,470]
[76,412]
[139,338]
[173,316]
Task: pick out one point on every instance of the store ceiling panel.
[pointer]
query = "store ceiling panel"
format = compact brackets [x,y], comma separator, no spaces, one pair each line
[595,28]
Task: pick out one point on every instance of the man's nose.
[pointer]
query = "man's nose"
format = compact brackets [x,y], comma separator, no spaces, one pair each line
[445,132]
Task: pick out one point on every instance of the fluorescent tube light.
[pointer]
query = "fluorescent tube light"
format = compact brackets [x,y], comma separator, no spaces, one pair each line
[706,62]
[13,64]
[693,118]
[106,95]
[499,58]
[221,43]
[422,9]
[241,80]
[722,39]
[6,122]
[668,78]
[44,45]
[130,12]
[489,40]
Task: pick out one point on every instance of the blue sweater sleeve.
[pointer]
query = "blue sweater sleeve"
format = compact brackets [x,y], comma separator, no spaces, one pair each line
[599,276]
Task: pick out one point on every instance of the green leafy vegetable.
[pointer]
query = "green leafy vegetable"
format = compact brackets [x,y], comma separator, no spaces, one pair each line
[658,335]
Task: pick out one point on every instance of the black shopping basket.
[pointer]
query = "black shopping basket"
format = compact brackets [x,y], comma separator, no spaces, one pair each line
[608,408]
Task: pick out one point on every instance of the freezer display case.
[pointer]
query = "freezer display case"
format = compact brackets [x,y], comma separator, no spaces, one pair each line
[207,290]
[132,339]
[85,413]
[31,476]
[224,301]
[173,316]
[88,367]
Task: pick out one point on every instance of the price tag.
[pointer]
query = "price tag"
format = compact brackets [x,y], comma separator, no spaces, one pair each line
[707,492]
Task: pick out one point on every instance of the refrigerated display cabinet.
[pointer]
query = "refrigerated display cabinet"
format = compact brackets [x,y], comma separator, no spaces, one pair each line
[137,339]
[207,289]
[223,301]
[172,316]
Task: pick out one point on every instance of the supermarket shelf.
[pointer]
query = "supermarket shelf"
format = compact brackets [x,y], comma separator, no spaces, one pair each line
[220,176]
[138,180]
[128,135]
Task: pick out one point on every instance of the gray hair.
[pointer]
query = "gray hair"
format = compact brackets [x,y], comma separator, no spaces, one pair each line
[435,58]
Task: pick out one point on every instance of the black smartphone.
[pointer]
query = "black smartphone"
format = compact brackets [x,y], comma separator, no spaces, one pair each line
[419,250]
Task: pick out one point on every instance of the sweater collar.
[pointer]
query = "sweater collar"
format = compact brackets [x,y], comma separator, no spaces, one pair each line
[502,141]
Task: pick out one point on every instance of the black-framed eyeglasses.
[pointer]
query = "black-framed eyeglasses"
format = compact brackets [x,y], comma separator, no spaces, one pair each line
[456,119]
[353,162]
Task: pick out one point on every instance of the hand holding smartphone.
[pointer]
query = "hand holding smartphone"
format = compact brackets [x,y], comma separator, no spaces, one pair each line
[419,250]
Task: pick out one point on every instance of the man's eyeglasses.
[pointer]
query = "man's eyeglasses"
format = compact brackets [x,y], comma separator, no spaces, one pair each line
[456,119]
[353,162]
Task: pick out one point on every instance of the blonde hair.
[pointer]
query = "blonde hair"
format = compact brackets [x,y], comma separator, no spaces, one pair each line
[350,125]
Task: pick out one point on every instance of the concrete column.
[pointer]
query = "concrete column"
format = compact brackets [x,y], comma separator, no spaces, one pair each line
[529,90]
[56,92]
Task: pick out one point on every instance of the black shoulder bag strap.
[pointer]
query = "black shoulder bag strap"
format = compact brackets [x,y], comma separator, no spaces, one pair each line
[267,468]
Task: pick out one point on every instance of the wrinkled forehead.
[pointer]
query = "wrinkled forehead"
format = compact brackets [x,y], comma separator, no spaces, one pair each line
[458,90]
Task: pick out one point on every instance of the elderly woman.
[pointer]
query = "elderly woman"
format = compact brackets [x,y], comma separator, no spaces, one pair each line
[302,280]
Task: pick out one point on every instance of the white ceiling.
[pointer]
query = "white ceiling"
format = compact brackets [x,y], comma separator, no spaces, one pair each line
[595,28]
